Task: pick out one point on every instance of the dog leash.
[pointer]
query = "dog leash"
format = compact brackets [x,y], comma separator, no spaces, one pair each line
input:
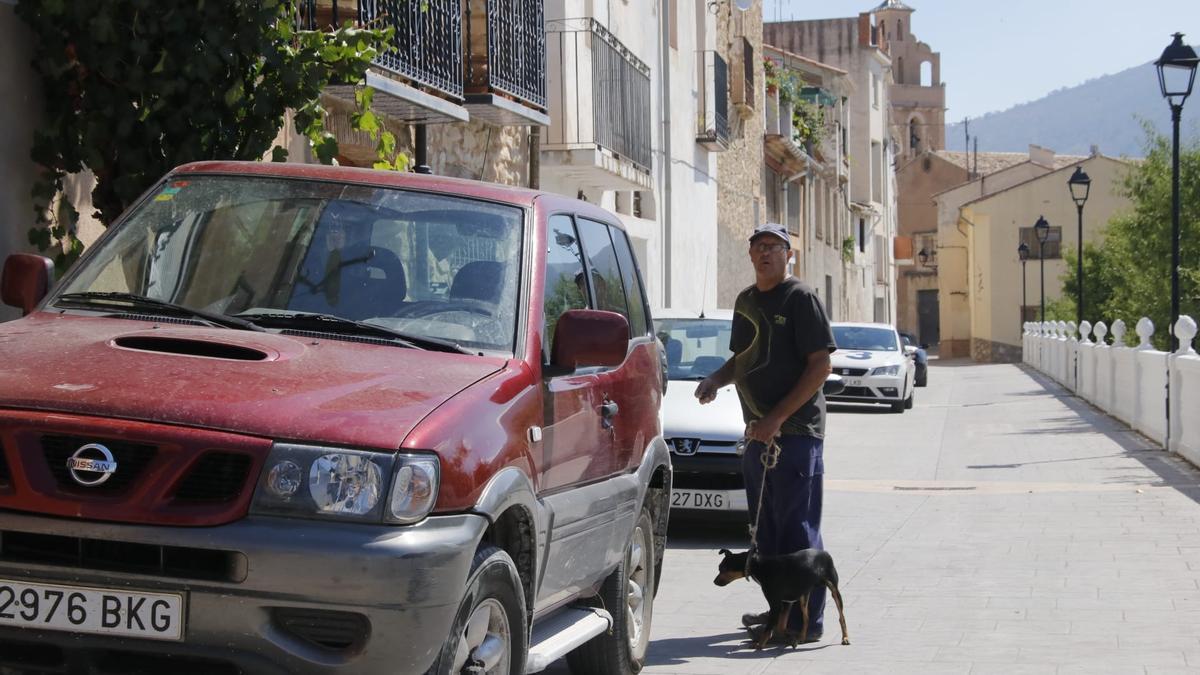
[769,459]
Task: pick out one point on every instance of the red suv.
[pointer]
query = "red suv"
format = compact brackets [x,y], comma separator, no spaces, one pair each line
[287,418]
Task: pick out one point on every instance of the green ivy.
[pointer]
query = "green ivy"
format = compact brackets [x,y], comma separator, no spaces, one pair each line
[133,88]
[848,249]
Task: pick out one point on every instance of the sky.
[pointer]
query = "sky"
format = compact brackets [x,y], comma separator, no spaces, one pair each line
[999,53]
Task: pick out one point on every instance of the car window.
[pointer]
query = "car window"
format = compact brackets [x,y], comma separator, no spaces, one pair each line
[608,291]
[426,264]
[565,286]
[695,347]
[865,338]
[633,286]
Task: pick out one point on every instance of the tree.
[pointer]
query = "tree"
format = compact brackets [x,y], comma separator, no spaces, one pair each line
[133,88]
[1129,276]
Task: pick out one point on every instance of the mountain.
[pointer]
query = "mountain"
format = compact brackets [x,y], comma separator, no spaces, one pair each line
[1106,111]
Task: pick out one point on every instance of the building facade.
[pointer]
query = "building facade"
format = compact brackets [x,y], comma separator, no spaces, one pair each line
[1002,220]
[859,47]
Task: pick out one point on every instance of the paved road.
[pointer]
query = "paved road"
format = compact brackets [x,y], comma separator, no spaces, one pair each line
[1001,526]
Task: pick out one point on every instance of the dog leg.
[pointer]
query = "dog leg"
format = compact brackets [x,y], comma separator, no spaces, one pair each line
[804,621]
[837,598]
[768,628]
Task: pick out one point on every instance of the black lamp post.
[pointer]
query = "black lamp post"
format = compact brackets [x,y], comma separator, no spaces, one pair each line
[1080,185]
[1042,230]
[1023,254]
[1176,74]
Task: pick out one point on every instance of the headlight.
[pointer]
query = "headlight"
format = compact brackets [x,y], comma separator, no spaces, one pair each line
[313,481]
[886,370]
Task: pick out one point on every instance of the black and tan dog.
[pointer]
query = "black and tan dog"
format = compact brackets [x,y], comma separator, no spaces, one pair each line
[786,580]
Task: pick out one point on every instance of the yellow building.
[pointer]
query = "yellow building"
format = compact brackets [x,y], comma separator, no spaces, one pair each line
[995,226]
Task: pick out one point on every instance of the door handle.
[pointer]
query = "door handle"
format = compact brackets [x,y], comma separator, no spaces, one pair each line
[609,410]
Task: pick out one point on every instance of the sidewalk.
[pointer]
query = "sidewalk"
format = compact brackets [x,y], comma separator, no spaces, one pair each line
[1002,526]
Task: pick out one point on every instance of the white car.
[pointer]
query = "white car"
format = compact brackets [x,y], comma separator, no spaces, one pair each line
[703,438]
[875,364]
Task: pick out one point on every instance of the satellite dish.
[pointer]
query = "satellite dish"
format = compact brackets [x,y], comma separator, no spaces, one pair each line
[743,5]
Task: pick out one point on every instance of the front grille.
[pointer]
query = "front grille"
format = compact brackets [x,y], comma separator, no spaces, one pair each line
[850,371]
[338,631]
[131,458]
[857,392]
[217,477]
[708,481]
[14,654]
[118,556]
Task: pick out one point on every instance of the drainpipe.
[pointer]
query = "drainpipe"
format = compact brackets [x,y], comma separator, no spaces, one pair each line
[664,70]
[422,151]
[535,159]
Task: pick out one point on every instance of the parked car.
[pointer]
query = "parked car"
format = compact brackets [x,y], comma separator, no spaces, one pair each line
[289,419]
[874,364]
[920,358]
[703,439]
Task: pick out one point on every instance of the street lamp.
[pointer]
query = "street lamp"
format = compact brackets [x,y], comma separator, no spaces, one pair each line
[1023,254]
[1042,230]
[1080,185]
[1176,74]
[924,257]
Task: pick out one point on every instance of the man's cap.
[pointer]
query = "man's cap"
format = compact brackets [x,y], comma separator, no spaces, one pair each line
[774,229]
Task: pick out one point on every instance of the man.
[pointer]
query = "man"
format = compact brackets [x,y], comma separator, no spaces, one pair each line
[781,342]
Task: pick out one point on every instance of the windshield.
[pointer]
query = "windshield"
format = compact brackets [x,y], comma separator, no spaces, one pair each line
[865,338]
[695,347]
[419,263]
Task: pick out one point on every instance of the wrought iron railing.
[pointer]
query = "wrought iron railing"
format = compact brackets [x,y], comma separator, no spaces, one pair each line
[426,48]
[513,61]
[713,117]
[618,93]
[742,90]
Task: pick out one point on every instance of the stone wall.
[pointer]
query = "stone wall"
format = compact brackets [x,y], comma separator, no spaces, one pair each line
[739,168]
[987,351]
[473,149]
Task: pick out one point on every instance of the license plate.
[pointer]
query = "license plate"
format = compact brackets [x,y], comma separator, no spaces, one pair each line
[154,616]
[853,381]
[713,500]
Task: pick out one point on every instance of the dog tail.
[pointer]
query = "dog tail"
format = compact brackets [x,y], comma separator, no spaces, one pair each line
[832,574]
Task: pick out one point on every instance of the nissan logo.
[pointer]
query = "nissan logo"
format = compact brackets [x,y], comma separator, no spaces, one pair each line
[91,465]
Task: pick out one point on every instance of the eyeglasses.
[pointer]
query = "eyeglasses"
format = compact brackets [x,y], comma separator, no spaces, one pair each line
[767,248]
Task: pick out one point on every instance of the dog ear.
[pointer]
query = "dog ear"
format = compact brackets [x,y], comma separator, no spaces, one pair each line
[724,551]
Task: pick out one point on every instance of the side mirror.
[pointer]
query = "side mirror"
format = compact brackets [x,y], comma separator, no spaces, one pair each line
[834,384]
[925,345]
[589,337]
[910,350]
[26,280]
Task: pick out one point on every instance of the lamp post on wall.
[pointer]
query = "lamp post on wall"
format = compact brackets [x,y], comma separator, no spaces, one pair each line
[1042,230]
[1080,185]
[1023,254]
[1176,73]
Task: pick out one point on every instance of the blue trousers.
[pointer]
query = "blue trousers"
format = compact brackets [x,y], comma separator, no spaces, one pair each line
[791,508]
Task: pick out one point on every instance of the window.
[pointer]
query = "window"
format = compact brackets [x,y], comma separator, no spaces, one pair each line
[874,90]
[1052,246]
[565,289]
[876,172]
[862,235]
[607,289]
[633,284]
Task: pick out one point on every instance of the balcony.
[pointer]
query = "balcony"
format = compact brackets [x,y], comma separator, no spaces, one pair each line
[505,81]
[742,91]
[421,70]
[600,119]
[712,119]
[783,154]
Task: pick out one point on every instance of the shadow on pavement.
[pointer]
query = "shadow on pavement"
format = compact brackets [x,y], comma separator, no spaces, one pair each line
[1172,470]
[720,530]
[682,651]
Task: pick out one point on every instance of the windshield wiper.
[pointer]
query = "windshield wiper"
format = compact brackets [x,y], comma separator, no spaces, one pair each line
[336,324]
[143,302]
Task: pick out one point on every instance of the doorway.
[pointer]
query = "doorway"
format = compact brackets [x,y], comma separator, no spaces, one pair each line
[927,318]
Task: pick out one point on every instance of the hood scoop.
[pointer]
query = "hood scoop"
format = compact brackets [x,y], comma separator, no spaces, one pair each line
[188,347]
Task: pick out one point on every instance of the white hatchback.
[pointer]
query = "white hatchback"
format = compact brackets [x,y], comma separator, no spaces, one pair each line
[875,364]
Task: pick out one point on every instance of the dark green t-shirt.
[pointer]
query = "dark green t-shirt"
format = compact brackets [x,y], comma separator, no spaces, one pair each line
[773,335]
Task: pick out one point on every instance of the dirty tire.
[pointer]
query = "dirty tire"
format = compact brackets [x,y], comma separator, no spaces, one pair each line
[908,403]
[627,594]
[490,617]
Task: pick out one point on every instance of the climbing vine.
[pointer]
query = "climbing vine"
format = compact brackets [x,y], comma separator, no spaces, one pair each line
[133,88]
